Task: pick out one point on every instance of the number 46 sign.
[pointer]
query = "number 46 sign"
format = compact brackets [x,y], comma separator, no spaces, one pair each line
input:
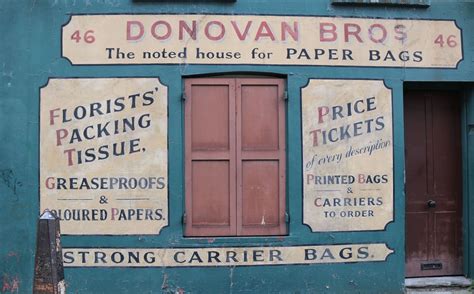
[87,37]
[450,41]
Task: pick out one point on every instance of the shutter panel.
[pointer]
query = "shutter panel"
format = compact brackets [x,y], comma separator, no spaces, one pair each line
[260,160]
[210,157]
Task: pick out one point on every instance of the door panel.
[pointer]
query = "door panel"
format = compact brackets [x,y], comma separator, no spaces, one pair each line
[445,243]
[417,236]
[433,184]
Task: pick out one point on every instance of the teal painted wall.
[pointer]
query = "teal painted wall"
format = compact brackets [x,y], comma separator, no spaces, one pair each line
[30,54]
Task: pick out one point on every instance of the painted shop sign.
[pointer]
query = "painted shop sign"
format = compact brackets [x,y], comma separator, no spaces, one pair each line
[103,155]
[347,155]
[258,39]
[238,256]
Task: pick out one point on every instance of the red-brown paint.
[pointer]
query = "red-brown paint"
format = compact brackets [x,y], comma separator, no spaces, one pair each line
[210,157]
[433,172]
[235,157]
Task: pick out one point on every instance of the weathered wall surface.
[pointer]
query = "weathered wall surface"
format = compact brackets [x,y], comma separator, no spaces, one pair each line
[30,55]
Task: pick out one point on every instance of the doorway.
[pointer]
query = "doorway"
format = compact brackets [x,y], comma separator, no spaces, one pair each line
[433,188]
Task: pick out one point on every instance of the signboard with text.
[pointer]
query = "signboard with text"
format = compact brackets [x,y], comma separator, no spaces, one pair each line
[224,256]
[347,155]
[104,155]
[263,40]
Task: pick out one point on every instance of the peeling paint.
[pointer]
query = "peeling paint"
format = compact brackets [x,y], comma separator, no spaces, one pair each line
[231,277]
[211,240]
[10,284]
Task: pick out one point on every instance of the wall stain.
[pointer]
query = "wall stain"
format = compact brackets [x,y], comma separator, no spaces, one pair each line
[14,254]
[7,177]
[168,287]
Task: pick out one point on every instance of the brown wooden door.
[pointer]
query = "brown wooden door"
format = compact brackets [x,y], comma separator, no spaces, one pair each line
[235,157]
[433,183]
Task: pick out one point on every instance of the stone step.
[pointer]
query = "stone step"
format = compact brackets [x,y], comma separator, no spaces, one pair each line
[439,285]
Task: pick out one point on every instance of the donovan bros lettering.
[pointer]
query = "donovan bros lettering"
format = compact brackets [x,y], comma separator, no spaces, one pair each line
[104,155]
[252,39]
[347,155]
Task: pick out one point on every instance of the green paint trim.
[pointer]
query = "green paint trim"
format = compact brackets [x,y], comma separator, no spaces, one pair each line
[25,69]
[418,3]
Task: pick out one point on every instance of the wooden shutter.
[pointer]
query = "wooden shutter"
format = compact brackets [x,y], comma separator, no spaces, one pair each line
[210,157]
[260,157]
[235,157]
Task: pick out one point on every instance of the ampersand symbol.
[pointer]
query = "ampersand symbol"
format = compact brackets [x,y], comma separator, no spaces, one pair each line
[103,200]
[349,190]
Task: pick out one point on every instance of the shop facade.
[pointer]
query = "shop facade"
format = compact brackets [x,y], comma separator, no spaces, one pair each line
[221,147]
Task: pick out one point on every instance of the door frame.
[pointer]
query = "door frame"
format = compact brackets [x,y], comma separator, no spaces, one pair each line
[466,91]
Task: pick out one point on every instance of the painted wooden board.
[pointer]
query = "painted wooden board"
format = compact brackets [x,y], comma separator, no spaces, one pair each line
[347,155]
[260,39]
[232,256]
[104,155]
